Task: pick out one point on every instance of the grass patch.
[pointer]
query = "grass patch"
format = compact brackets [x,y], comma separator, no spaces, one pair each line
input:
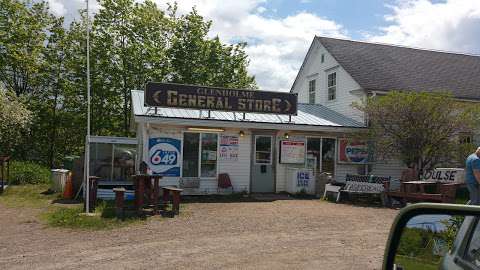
[74,218]
[40,199]
[31,196]
[414,264]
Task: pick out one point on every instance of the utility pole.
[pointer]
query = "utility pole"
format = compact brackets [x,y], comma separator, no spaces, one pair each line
[87,139]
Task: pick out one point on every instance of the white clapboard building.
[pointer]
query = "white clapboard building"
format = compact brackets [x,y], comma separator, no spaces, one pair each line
[267,152]
[336,72]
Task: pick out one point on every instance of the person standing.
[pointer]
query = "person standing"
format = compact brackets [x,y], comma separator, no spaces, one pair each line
[472,176]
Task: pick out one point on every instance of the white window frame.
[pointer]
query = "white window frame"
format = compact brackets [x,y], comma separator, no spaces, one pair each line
[465,138]
[335,85]
[310,92]
[255,150]
[200,155]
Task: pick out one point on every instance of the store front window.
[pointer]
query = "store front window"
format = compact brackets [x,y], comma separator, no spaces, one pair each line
[199,154]
[263,150]
[321,154]
[209,155]
[113,161]
[313,154]
[328,155]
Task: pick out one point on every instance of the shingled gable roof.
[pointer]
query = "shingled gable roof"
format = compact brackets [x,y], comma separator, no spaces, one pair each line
[381,67]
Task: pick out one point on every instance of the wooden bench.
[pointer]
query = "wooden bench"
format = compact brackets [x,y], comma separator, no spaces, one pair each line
[175,194]
[363,185]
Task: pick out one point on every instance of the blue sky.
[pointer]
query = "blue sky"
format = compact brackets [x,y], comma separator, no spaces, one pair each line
[356,16]
[279,32]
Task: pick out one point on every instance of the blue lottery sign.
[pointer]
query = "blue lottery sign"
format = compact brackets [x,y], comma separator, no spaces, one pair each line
[164,156]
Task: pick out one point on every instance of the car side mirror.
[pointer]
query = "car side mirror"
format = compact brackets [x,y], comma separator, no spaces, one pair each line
[434,236]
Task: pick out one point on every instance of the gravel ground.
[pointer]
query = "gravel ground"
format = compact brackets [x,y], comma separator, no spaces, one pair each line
[282,234]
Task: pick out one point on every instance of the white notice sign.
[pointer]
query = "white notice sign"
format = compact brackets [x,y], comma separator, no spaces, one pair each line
[228,148]
[292,152]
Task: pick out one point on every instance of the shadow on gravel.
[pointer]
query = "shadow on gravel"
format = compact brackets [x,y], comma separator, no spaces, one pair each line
[235,198]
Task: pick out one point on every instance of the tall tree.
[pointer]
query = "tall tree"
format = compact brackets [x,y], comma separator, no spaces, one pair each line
[422,129]
[14,120]
[197,59]
[23,32]
[44,63]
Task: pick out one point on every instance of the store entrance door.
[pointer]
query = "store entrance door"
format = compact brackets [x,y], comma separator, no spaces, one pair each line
[263,175]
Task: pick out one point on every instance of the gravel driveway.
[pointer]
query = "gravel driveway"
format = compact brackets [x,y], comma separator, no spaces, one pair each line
[282,234]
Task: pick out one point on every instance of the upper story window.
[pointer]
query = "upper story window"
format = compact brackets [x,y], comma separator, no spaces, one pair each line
[322,58]
[311,91]
[466,138]
[332,86]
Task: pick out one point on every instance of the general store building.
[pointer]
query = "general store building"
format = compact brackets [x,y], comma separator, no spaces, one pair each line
[262,152]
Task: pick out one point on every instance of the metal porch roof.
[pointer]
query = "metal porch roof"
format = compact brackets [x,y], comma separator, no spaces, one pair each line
[308,114]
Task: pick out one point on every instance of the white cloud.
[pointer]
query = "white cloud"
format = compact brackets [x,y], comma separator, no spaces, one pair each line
[69,8]
[57,8]
[261,9]
[276,46]
[453,25]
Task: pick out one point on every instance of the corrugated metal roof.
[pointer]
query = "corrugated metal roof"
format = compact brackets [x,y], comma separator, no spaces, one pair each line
[308,114]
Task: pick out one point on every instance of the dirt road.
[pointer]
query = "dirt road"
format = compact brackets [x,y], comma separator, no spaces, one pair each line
[283,234]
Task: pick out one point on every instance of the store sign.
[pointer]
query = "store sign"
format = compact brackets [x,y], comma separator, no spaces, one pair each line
[228,148]
[292,152]
[452,175]
[164,156]
[222,99]
[352,151]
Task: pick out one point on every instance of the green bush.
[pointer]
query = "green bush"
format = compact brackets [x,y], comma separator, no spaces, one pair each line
[23,172]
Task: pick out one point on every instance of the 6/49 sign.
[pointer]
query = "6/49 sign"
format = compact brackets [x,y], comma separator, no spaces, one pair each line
[163,156]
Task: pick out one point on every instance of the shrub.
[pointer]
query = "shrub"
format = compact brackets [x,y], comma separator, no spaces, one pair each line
[23,172]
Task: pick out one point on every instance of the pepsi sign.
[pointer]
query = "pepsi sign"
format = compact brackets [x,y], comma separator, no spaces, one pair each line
[352,151]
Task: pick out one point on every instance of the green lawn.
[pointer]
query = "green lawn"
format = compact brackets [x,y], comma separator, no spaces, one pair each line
[42,203]
[414,264]
[74,218]
[28,196]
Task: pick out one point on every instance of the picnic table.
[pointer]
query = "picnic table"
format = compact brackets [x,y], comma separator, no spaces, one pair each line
[146,186]
[147,195]
[424,191]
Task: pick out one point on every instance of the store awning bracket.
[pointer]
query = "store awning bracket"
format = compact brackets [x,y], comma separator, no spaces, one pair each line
[209,114]
[155,110]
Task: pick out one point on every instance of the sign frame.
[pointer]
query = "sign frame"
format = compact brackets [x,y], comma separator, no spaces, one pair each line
[233,146]
[165,155]
[282,159]
[349,141]
[208,98]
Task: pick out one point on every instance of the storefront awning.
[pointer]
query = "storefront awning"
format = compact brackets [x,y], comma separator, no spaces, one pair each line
[310,117]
